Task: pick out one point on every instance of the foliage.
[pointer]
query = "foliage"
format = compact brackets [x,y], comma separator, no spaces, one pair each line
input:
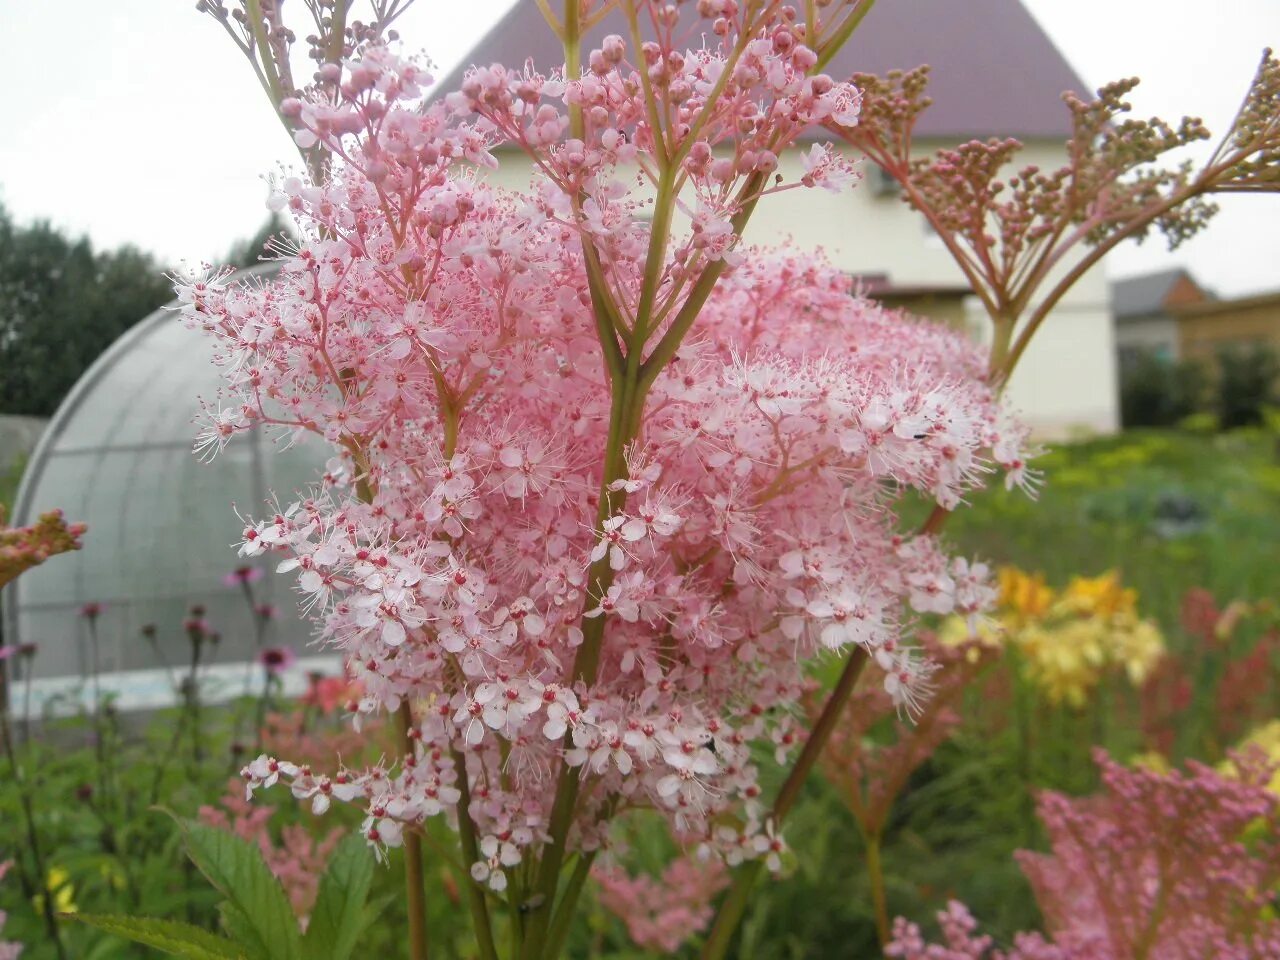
[276,230]
[1248,382]
[1235,390]
[254,909]
[10,477]
[1155,392]
[62,304]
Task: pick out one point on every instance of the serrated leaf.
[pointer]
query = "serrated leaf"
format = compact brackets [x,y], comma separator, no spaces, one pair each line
[235,867]
[338,917]
[173,937]
[240,929]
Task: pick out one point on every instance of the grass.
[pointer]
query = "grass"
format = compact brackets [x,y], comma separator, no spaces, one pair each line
[1170,510]
[9,480]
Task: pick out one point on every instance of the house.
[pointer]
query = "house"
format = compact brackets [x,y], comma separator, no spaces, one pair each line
[1171,316]
[1145,310]
[1205,327]
[994,72]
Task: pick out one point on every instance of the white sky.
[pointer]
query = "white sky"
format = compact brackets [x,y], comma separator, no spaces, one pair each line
[136,121]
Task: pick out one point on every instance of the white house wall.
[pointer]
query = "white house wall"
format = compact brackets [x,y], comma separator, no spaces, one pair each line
[1066,382]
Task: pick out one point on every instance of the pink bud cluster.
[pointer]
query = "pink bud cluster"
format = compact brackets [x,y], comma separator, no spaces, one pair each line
[661,913]
[715,118]
[1171,866]
[438,333]
[22,548]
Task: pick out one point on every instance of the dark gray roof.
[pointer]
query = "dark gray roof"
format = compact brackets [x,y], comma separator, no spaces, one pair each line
[995,72]
[1144,295]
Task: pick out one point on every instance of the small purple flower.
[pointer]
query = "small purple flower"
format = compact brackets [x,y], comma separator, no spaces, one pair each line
[276,660]
[92,610]
[241,576]
[7,652]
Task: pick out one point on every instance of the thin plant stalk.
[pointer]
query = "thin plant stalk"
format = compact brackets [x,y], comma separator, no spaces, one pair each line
[32,836]
[734,904]
[27,671]
[875,877]
[415,884]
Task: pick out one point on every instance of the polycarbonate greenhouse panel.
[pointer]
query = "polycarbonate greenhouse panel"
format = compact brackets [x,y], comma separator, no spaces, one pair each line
[162,524]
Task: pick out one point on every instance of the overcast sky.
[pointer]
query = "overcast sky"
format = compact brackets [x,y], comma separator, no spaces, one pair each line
[136,121]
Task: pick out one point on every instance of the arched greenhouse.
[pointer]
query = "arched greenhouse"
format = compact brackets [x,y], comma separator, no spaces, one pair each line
[162,524]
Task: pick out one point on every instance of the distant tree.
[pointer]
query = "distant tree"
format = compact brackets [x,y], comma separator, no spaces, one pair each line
[248,253]
[61,305]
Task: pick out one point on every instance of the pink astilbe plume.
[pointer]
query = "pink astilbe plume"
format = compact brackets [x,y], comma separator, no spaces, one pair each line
[8,949]
[1176,866]
[961,943]
[661,913]
[567,583]
[297,861]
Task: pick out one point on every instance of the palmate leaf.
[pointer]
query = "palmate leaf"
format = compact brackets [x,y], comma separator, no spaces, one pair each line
[339,915]
[256,905]
[173,937]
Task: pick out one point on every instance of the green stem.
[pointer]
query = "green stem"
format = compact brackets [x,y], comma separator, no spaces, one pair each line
[475,895]
[1022,720]
[875,874]
[562,919]
[415,884]
[831,47]
[735,902]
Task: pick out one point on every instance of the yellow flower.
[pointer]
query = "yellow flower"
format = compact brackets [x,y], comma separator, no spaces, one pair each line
[1267,739]
[1070,640]
[58,885]
[955,631]
[1154,761]
[1138,648]
[1024,595]
[1101,595]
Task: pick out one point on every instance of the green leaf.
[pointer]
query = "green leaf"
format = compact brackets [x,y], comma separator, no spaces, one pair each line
[175,938]
[339,916]
[240,929]
[262,915]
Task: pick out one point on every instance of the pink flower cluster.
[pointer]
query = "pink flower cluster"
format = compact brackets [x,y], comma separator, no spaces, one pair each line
[662,913]
[22,548]
[958,927]
[1157,867]
[714,116]
[546,571]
